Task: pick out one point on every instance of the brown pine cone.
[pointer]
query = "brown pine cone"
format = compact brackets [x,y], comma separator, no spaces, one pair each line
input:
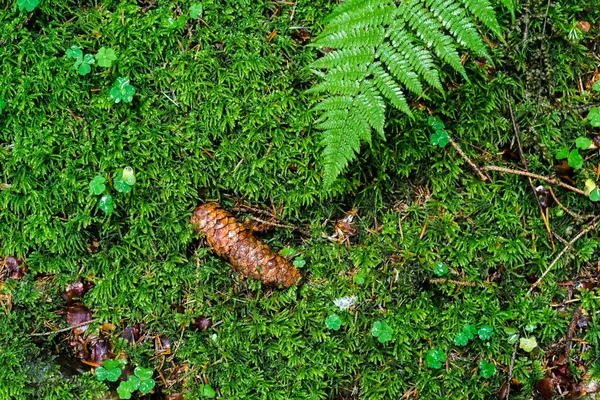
[236,243]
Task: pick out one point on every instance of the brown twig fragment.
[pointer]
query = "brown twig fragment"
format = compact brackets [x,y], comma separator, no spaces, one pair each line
[551,181]
[236,243]
[571,331]
[590,226]
[468,160]
[459,283]
[64,329]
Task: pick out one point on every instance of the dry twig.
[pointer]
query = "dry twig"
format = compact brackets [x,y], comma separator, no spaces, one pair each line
[64,329]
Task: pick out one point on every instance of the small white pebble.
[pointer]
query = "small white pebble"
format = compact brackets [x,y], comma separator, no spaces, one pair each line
[345,303]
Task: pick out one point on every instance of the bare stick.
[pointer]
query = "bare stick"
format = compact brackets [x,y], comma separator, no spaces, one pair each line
[591,226]
[551,181]
[64,329]
[571,331]
[468,160]
[459,283]
[510,371]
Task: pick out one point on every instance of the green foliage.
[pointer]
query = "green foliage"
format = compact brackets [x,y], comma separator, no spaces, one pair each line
[106,204]
[435,358]
[583,143]
[528,344]
[105,57]
[111,370]
[440,269]
[82,63]
[382,331]
[196,10]
[207,391]
[98,185]
[359,277]
[333,322]
[2,105]
[28,5]
[122,91]
[486,369]
[485,332]
[594,116]
[595,195]
[468,333]
[513,335]
[379,49]
[142,380]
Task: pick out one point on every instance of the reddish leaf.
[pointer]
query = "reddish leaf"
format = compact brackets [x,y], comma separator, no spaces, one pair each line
[545,388]
[132,333]
[76,290]
[174,396]
[78,314]
[16,267]
[201,323]
[99,351]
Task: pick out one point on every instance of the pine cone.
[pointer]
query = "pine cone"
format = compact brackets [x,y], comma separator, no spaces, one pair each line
[236,243]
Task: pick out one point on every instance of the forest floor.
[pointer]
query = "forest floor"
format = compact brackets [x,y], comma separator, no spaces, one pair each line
[422,280]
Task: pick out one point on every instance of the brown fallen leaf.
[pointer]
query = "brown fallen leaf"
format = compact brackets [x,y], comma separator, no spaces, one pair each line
[78,314]
[236,243]
[201,323]
[76,290]
[16,267]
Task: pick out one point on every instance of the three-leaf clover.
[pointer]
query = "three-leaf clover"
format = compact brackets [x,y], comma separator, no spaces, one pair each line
[382,331]
[125,180]
[208,391]
[333,322]
[596,86]
[595,195]
[106,204]
[528,344]
[436,123]
[299,262]
[461,339]
[82,63]
[121,185]
[513,335]
[575,159]
[110,371]
[142,380]
[122,90]
[97,185]
[440,138]
[196,10]
[28,5]
[594,116]
[583,143]
[440,269]
[2,104]
[562,153]
[359,277]
[105,57]
[485,332]
[486,369]
[435,358]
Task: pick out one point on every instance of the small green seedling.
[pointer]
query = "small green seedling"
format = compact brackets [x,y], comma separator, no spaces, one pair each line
[486,369]
[122,91]
[528,344]
[299,262]
[435,358]
[2,105]
[439,137]
[82,63]
[382,331]
[595,195]
[28,5]
[333,322]
[440,269]
[584,143]
[98,185]
[106,204]
[594,115]
[207,391]
[290,252]
[196,10]
[359,277]
[105,57]
[140,380]
[485,332]
[468,332]
[573,157]
[124,180]
[513,335]
[110,370]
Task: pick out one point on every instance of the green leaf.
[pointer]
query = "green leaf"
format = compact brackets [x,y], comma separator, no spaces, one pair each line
[528,344]
[129,176]
[84,68]
[288,252]
[562,153]
[143,373]
[146,385]
[513,335]
[333,322]
[2,104]
[530,327]
[583,143]
[575,159]
[105,57]
[595,195]
[485,332]
[106,204]
[97,186]
[440,269]
[382,331]
[101,374]
[28,5]
[131,384]
[208,391]
[122,90]
[196,10]
[596,86]
[435,358]
[359,277]
[461,339]
[594,116]
[75,52]
[111,364]
[299,262]
[436,123]
[486,369]
[440,138]
[123,391]
[590,185]
[469,330]
[121,186]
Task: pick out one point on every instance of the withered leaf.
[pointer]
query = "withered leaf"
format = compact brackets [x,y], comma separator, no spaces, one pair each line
[76,290]
[201,323]
[16,267]
[545,388]
[78,314]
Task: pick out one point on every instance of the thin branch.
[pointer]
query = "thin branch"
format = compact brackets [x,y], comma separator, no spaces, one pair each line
[459,283]
[468,160]
[591,226]
[64,329]
[510,370]
[551,181]
[571,331]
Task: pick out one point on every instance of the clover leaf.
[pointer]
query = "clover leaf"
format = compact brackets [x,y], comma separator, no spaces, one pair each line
[359,277]
[435,358]
[123,391]
[333,322]
[596,86]
[594,116]
[110,371]
[562,153]
[436,123]
[485,332]
[196,10]
[299,262]
[2,104]
[440,269]
[440,139]
[28,5]
[575,159]
[288,252]
[105,57]
[143,373]
[129,176]
[595,195]
[121,185]
[97,185]
[528,344]
[461,339]
[583,143]
[513,335]
[122,90]
[590,185]
[382,331]
[208,391]
[86,64]
[469,331]
[106,204]
[486,369]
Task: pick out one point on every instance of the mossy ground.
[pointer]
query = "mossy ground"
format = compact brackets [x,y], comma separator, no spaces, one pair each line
[220,113]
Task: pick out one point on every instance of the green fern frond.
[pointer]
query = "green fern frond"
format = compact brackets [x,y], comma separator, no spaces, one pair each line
[382,49]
